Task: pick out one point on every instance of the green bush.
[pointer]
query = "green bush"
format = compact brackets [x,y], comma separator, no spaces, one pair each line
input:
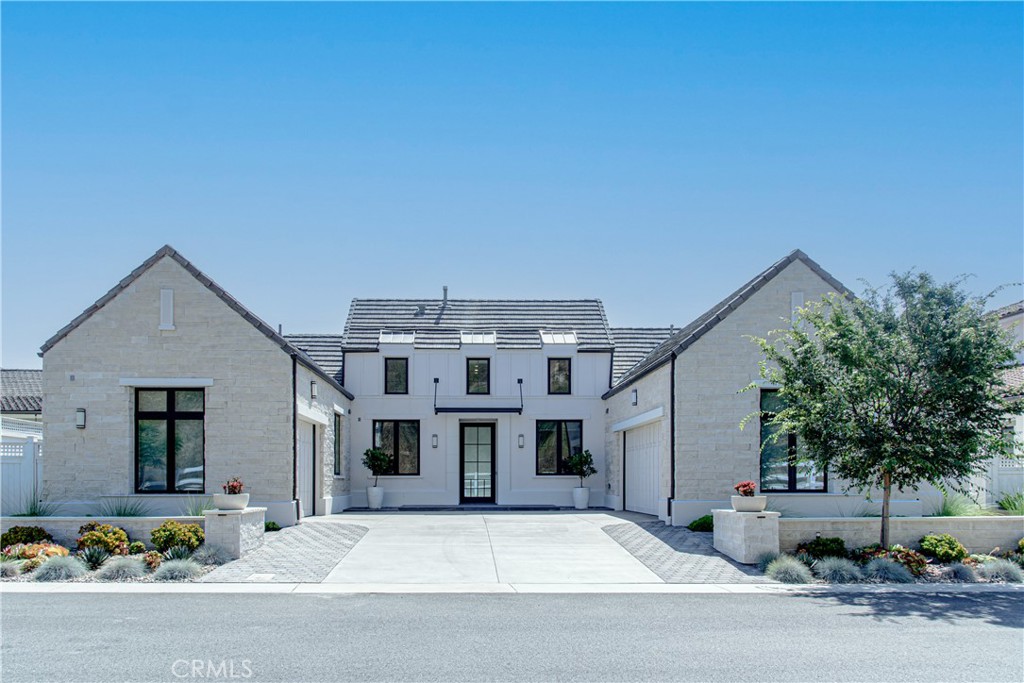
[943,547]
[93,556]
[886,571]
[24,534]
[153,559]
[178,570]
[10,568]
[705,523]
[171,533]
[786,569]
[765,560]
[1013,503]
[1001,570]
[961,572]
[911,559]
[123,506]
[805,559]
[122,569]
[210,554]
[177,552]
[136,548]
[837,570]
[958,505]
[111,538]
[271,526]
[60,568]
[824,547]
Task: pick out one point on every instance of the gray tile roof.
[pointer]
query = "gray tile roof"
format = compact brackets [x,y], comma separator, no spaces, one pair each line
[516,323]
[632,344]
[324,349]
[1013,378]
[21,391]
[167,251]
[685,337]
[1007,311]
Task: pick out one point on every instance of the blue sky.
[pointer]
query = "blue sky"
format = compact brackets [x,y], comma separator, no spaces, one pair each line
[654,156]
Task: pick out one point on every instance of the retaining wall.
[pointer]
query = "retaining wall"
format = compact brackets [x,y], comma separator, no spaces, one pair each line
[65,529]
[978,534]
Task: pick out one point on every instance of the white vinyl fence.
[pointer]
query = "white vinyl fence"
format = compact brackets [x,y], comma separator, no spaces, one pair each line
[21,472]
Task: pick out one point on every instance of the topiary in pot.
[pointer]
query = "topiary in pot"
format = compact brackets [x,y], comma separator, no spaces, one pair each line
[581,464]
[379,463]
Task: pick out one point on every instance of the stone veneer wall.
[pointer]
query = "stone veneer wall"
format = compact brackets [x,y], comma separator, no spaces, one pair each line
[248,407]
[333,492]
[236,532]
[65,529]
[978,534]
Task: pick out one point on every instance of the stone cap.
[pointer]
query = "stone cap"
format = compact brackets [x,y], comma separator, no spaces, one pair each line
[218,512]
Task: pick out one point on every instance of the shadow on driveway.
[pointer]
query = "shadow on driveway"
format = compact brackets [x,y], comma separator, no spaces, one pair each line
[997,609]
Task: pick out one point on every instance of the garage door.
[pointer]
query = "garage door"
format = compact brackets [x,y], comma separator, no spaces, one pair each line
[304,467]
[642,469]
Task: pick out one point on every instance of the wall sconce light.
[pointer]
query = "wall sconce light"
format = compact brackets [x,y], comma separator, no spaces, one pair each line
[313,393]
[80,418]
[522,441]
[632,397]
[433,440]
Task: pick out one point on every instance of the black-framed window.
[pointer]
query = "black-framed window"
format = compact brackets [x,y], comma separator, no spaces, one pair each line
[401,440]
[559,375]
[478,375]
[170,441]
[396,375]
[337,445]
[781,470]
[556,441]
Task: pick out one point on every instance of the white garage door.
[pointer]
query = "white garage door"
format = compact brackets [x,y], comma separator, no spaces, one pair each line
[642,469]
[304,467]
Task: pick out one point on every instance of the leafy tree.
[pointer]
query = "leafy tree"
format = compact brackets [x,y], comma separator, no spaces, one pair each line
[894,389]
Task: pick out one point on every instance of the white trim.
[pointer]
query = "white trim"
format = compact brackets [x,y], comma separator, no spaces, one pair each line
[637,420]
[166,309]
[339,410]
[765,384]
[169,382]
[308,414]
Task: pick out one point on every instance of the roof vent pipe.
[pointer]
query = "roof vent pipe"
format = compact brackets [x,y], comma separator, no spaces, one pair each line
[444,302]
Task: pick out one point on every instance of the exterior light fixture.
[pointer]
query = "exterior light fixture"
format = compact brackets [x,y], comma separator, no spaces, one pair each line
[313,393]
[632,397]
[80,418]
[522,441]
[433,440]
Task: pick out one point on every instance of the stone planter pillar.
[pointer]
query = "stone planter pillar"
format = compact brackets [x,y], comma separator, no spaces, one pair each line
[237,532]
[746,536]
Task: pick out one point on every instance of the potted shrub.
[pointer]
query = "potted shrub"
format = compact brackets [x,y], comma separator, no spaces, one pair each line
[232,498]
[378,462]
[582,466]
[746,501]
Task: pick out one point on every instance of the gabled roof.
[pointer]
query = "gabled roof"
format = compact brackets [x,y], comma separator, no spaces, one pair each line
[632,344]
[167,251]
[686,337]
[1013,378]
[1007,311]
[324,349]
[21,391]
[437,324]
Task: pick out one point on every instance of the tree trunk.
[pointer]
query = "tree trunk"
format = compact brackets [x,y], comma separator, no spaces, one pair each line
[886,492]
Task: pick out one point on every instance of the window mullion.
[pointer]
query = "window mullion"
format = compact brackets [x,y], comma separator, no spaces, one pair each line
[170,442]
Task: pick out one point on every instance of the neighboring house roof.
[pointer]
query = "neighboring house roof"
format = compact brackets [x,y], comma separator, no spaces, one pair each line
[21,391]
[324,349]
[685,337]
[632,344]
[1013,378]
[438,324]
[1007,311]
[169,252]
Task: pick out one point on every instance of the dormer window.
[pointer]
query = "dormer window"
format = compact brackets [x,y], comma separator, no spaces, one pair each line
[568,337]
[396,337]
[477,337]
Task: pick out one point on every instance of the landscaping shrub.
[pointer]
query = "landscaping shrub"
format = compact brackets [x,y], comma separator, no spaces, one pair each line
[28,551]
[24,534]
[1001,570]
[806,559]
[271,526]
[786,569]
[93,556]
[31,565]
[10,569]
[961,572]
[136,548]
[178,570]
[705,523]
[837,570]
[60,568]
[111,538]
[1013,503]
[171,533]
[911,559]
[824,547]
[943,547]
[885,570]
[153,559]
[123,506]
[122,569]
[765,560]
[178,552]
[210,554]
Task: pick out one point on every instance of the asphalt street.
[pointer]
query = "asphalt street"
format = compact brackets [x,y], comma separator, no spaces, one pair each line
[470,637]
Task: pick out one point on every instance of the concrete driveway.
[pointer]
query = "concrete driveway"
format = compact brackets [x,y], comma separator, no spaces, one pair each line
[494,548]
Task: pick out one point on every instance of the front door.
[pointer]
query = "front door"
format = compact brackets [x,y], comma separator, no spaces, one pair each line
[477,457]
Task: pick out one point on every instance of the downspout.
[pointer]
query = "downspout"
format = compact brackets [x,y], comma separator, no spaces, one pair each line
[672,438]
[295,434]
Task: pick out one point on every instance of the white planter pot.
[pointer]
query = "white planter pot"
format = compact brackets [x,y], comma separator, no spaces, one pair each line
[230,501]
[581,497]
[374,497]
[749,503]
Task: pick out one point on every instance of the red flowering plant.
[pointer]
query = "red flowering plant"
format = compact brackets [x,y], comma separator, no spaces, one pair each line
[746,488]
[233,486]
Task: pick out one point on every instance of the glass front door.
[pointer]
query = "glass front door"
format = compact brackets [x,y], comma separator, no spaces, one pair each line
[477,463]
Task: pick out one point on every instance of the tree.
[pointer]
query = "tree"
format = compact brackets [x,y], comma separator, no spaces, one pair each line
[894,389]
